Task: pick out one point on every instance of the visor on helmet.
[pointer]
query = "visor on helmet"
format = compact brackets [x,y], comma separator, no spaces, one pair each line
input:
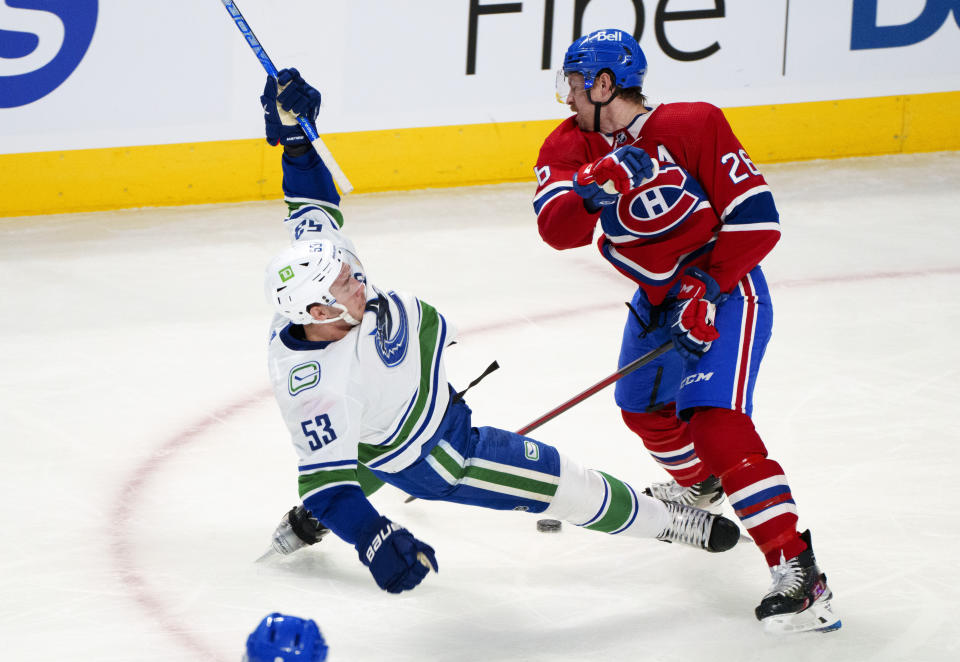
[563,86]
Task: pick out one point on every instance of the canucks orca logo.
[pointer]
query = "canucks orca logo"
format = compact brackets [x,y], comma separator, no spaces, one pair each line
[392,347]
[41,44]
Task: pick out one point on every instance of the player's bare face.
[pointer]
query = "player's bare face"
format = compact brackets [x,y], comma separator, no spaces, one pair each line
[580,103]
[349,291]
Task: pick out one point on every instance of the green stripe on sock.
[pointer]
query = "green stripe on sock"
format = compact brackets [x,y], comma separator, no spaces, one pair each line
[309,482]
[620,508]
[511,480]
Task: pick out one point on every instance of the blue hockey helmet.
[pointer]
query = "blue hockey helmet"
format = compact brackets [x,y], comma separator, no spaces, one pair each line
[286,638]
[613,50]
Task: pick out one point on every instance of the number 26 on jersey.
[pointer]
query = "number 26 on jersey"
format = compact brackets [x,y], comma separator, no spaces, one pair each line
[740,166]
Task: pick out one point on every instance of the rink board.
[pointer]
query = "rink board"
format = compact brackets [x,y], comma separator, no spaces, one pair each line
[401,159]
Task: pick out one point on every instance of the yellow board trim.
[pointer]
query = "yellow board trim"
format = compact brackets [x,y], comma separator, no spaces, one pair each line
[400,159]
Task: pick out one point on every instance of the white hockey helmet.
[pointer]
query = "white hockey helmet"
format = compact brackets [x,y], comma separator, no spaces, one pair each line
[301,276]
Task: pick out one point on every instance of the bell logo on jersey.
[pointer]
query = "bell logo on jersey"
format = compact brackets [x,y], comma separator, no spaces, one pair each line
[658,206]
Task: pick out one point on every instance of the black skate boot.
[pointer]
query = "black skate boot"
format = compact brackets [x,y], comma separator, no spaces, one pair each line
[799,599]
[706,495]
[296,530]
[699,528]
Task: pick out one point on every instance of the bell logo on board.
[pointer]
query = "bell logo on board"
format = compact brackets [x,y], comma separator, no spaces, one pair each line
[41,44]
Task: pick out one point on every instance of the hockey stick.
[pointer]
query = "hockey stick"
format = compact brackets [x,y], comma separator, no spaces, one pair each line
[599,386]
[258,50]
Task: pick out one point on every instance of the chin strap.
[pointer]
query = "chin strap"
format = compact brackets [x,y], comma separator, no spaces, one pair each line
[597,105]
[344,315]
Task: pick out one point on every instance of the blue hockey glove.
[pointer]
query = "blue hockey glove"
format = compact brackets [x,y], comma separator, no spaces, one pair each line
[283,100]
[397,560]
[692,329]
[600,183]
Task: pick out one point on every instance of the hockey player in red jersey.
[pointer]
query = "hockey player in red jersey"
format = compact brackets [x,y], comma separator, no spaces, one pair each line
[686,215]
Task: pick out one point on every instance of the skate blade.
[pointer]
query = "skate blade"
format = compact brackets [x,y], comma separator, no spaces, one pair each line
[818,618]
[270,553]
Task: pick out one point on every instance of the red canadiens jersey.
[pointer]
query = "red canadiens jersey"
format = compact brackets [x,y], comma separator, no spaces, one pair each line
[708,206]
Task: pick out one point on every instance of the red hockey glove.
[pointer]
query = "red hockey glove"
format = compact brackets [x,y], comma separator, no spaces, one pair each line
[692,330]
[600,182]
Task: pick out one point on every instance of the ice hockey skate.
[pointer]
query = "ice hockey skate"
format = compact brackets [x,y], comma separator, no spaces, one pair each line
[699,528]
[706,495]
[799,599]
[296,530]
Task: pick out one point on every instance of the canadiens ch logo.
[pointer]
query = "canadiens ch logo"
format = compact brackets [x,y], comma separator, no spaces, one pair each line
[656,207]
[391,347]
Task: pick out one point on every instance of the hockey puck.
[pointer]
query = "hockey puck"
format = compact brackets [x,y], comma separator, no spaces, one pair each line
[548,525]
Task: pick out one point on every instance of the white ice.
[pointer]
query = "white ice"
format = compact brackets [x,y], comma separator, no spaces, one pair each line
[145,464]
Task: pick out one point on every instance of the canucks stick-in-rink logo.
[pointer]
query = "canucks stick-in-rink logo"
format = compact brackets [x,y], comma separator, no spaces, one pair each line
[392,347]
[303,376]
[531,450]
[41,44]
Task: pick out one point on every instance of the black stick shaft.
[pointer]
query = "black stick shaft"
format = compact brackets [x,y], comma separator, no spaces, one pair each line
[599,386]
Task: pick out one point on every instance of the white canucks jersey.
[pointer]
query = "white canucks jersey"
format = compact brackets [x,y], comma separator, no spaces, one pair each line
[375,396]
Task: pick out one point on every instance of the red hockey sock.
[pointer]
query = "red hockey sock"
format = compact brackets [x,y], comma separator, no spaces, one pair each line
[667,439]
[756,486]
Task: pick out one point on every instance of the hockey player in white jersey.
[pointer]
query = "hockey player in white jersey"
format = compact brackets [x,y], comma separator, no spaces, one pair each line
[358,373]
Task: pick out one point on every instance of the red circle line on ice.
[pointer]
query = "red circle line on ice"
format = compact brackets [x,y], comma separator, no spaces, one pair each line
[124,510]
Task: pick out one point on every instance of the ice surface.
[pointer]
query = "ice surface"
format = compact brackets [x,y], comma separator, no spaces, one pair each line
[146,465]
